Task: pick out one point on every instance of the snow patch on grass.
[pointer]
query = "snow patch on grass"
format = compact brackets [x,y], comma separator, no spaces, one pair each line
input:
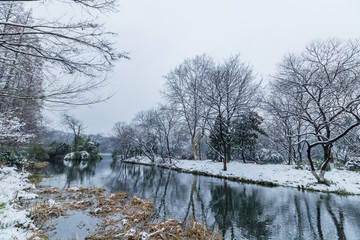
[14,220]
[284,175]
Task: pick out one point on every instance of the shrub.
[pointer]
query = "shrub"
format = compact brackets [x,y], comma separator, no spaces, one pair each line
[269,156]
[57,150]
[12,157]
[37,152]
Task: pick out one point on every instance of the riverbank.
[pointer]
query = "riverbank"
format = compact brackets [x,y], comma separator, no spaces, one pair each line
[339,181]
[14,220]
[29,212]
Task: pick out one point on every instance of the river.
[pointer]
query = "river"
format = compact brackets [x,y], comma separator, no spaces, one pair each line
[239,211]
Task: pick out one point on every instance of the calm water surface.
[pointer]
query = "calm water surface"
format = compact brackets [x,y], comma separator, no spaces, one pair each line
[240,211]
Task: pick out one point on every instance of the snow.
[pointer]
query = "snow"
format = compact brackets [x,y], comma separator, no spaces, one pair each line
[284,175]
[12,188]
[10,128]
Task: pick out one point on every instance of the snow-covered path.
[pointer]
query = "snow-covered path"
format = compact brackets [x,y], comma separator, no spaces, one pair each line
[284,175]
[14,221]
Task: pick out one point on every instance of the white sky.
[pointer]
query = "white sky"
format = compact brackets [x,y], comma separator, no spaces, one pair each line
[160,34]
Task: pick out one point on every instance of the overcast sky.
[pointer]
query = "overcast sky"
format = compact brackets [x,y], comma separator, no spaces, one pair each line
[160,34]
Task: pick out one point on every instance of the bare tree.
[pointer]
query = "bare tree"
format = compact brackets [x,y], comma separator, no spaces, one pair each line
[323,87]
[170,131]
[76,126]
[123,139]
[184,85]
[146,137]
[80,49]
[284,129]
[229,92]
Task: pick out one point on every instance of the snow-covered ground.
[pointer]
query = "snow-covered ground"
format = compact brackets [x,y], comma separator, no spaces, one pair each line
[14,221]
[284,175]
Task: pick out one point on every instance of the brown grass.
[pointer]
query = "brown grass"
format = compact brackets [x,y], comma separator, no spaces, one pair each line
[120,219]
[42,211]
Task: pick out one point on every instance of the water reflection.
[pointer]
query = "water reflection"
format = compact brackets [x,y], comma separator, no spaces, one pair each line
[74,171]
[240,211]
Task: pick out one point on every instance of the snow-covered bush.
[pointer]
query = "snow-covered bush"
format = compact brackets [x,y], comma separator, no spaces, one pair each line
[11,129]
[269,156]
[353,164]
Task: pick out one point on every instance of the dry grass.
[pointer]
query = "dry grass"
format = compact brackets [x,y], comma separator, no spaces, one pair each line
[42,211]
[49,191]
[40,164]
[120,218]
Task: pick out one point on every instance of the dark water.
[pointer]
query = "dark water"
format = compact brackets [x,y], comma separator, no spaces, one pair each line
[240,211]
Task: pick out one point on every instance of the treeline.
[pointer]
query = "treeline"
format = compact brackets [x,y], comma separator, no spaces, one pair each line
[307,112]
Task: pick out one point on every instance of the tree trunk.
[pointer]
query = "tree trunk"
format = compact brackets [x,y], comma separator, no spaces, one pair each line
[243,157]
[193,145]
[290,153]
[327,157]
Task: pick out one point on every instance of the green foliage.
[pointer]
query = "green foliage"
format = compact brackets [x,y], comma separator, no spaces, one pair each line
[216,141]
[243,133]
[339,164]
[37,152]
[11,157]
[91,147]
[342,191]
[299,165]
[2,205]
[57,151]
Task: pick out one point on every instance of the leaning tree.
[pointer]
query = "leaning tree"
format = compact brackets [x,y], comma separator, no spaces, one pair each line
[322,85]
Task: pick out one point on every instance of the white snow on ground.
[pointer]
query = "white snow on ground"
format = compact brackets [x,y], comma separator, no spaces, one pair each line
[284,175]
[12,185]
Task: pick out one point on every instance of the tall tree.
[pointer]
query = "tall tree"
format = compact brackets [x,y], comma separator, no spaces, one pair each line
[230,91]
[22,76]
[184,86]
[323,86]
[170,131]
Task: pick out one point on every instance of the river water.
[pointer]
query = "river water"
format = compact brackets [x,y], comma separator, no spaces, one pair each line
[239,211]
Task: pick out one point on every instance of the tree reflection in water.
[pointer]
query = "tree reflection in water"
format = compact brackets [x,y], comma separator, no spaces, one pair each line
[240,211]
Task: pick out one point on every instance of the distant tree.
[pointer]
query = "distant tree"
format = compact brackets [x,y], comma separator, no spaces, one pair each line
[145,137]
[323,87]
[230,91]
[123,138]
[76,126]
[184,86]
[285,130]
[170,131]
